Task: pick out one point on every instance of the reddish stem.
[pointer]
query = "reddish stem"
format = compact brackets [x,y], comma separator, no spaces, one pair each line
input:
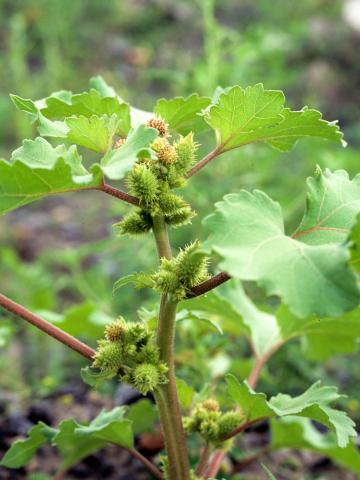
[210,156]
[115,192]
[208,285]
[150,466]
[47,327]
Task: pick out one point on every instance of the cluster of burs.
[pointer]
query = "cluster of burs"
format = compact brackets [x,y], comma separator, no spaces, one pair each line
[152,180]
[129,352]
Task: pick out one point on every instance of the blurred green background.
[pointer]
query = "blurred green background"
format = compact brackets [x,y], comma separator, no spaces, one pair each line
[62,255]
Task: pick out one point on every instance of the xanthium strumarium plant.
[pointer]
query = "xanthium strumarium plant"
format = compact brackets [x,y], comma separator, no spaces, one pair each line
[313,272]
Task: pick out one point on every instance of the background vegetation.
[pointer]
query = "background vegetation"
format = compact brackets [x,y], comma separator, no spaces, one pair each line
[61,254]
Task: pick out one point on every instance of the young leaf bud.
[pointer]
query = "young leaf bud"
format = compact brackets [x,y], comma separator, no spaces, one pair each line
[159,124]
[165,152]
[211,405]
[143,184]
[135,223]
[115,330]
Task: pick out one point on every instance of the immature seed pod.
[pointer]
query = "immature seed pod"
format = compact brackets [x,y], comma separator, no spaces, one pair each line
[181,217]
[165,152]
[146,377]
[170,203]
[143,184]
[135,223]
[159,124]
[185,149]
[191,265]
[228,422]
[108,356]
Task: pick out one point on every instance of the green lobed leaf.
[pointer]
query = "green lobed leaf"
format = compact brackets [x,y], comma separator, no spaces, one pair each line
[299,433]
[333,203]
[235,312]
[354,239]
[95,133]
[139,280]
[86,104]
[241,116]
[72,446]
[247,232]
[117,162]
[182,114]
[21,184]
[22,451]
[314,403]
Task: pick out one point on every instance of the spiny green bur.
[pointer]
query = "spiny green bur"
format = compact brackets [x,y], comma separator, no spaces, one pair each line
[208,420]
[151,181]
[178,275]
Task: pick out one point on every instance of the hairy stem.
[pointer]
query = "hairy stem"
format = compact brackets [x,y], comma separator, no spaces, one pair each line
[209,284]
[204,458]
[166,395]
[47,327]
[201,164]
[115,192]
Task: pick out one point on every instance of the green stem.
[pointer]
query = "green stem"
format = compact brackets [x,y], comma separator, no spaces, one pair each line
[166,395]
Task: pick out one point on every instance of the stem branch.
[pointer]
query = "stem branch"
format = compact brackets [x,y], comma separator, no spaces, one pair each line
[201,164]
[115,192]
[150,466]
[47,327]
[208,285]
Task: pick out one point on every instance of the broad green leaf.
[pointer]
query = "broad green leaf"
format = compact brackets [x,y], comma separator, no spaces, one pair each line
[86,104]
[314,403]
[241,116]
[40,153]
[98,83]
[185,315]
[22,451]
[21,184]
[247,232]
[333,202]
[299,433]
[322,337]
[143,416]
[109,426]
[217,308]
[76,441]
[182,114]
[74,447]
[262,326]
[119,161]
[354,239]
[95,133]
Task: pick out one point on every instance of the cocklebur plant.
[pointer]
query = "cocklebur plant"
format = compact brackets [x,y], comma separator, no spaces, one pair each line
[313,272]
